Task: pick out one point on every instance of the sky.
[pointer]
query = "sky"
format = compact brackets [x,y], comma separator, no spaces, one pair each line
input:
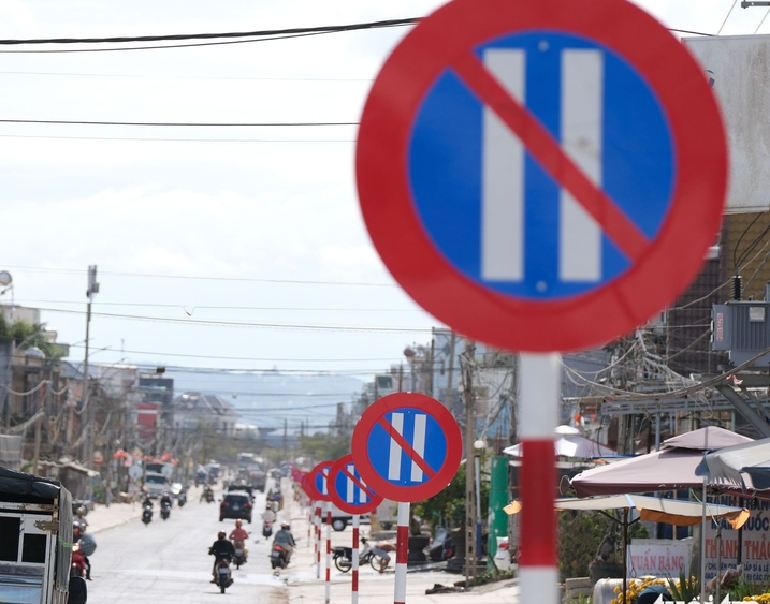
[224,247]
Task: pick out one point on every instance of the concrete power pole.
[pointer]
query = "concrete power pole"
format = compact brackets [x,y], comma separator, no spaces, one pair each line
[93,289]
[471,555]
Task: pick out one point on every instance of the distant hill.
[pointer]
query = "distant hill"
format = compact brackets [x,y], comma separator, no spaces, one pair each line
[267,399]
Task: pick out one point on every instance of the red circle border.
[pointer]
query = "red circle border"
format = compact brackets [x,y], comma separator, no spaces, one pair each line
[394,402]
[341,503]
[672,260]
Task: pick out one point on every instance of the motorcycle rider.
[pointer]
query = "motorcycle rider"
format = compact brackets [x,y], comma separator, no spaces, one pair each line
[222,548]
[80,519]
[285,539]
[240,534]
[165,499]
[77,533]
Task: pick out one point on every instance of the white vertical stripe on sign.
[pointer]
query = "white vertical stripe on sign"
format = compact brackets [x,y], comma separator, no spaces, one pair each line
[325,481]
[350,495]
[502,205]
[418,445]
[394,466]
[582,84]
[362,496]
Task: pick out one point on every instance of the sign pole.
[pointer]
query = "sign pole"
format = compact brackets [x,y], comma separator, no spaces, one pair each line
[318,540]
[402,552]
[354,585]
[538,415]
[328,579]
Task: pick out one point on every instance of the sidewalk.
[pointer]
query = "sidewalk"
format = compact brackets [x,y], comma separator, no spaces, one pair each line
[102,517]
[374,588]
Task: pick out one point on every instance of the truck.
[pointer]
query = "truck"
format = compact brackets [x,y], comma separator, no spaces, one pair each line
[157,478]
[251,470]
[36,541]
[155,484]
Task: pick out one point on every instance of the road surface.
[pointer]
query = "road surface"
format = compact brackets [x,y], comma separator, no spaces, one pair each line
[166,562]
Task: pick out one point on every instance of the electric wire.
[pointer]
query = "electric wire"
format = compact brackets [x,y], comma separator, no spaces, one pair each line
[182,124]
[719,31]
[201,277]
[207,322]
[762,21]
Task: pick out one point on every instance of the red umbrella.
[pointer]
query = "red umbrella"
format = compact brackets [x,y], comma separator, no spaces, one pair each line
[120,454]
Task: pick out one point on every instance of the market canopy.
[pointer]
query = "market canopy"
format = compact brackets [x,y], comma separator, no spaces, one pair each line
[569,444]
[655,509]
[673,467]
[732,463]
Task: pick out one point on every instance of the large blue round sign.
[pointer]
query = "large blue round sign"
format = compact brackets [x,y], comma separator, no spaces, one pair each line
[407,446]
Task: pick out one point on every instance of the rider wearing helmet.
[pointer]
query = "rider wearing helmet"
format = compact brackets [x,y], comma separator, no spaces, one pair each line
[285,539]
[240,534]
[221,549]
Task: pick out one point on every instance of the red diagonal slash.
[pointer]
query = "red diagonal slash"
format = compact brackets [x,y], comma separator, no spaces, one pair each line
[407,448]
[549,154]
[370,493]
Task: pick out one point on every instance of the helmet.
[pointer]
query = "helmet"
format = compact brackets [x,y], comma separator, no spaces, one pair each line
[221,535]
[238,523]
[284,524]
[80,511]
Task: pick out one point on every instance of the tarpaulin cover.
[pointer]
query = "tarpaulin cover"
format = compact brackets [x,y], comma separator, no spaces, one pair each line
[21,484]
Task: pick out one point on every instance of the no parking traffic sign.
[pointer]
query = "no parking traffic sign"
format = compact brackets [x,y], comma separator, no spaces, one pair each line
[407,446]
[348,490]
[315,483]
[542,175]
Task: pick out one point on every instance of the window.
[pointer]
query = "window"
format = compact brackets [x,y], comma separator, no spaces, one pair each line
[34,548]
[10,527]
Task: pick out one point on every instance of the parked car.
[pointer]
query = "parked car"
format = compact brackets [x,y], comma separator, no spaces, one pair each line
[235,504]
[341,519]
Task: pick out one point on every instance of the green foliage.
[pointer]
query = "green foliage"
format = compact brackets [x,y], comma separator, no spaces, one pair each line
[449,504]
[686,589]
[26,334]
[490,576]
[322,446]
[579,535]
[742,588]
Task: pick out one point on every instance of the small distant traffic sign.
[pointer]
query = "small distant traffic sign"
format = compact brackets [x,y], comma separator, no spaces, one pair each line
[315,481]
[348,490]
[542,176]
[407,446]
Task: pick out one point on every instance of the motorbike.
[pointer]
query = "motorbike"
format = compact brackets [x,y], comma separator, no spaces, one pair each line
[207,495]
[442,547]
[78,561]
[267,528]
[240,554]
[278,557]
[147,514]
[224,577]
[181,499]
[343,557]
[165,510]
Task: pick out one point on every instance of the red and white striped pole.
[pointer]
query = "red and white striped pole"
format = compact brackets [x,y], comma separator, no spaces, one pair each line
[538,415]
[402,552]
[309,524]
[354,583]
[318,539]
[328,581]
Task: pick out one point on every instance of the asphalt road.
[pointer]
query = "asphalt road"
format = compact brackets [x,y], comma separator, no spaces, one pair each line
[166,562]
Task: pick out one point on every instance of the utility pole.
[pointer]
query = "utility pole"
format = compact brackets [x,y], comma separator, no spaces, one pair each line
[471,554]
[93,289]
[448,396]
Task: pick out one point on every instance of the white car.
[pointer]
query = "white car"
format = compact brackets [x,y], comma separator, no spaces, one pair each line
[176,488]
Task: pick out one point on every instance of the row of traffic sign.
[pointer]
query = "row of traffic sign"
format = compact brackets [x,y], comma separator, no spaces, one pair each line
[406,447]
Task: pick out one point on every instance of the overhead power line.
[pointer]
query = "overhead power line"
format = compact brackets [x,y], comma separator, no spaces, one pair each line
[46,269]
[304,327]
[183,124]
[328,29]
